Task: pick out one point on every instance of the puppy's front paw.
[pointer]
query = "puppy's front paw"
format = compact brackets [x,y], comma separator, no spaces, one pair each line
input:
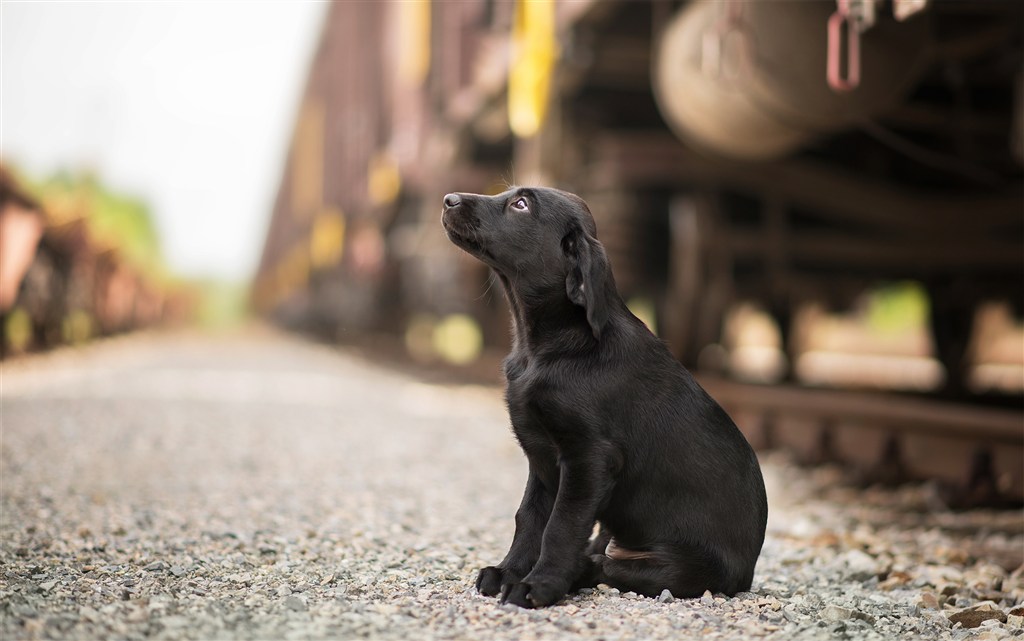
[534,593]
[492,579]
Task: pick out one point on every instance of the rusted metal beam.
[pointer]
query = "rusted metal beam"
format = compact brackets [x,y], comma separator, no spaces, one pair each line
[652,158]
[885,410]
[947,253]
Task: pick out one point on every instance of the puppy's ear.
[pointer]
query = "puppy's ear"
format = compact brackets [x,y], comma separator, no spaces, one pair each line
[586,280]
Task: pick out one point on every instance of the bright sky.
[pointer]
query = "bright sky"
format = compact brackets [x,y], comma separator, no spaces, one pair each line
[188,105]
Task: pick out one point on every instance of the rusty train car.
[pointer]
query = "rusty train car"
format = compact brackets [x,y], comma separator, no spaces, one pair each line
[62,285]
[780,153]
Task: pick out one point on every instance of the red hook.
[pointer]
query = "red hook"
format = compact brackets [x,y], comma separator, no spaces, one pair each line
[834,71]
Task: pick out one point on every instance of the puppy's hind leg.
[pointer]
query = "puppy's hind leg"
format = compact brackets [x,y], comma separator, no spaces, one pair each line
[592,573]
[642,576]
[599,543]
[686,575]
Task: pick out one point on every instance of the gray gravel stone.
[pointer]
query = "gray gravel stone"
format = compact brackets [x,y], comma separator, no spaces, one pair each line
[188,487]
[858,565]
[295,603]
[836,613]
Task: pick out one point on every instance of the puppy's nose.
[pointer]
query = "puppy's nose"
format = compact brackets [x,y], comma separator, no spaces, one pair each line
[452,200]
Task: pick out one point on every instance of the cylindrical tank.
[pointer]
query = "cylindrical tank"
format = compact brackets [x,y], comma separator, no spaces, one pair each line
[750,81]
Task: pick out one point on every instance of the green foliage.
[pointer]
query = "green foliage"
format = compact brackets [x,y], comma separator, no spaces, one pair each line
[115,220]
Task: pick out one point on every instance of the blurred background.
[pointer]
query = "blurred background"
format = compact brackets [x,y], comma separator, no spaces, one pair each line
[818,205]
[147,140]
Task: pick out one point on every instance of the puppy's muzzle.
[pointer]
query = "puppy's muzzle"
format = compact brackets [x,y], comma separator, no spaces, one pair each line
[452,201]
[461,224]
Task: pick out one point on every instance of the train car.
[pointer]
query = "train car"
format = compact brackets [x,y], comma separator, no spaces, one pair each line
[63,282]
[783,155]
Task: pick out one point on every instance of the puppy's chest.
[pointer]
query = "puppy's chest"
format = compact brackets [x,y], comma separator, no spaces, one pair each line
[541,407]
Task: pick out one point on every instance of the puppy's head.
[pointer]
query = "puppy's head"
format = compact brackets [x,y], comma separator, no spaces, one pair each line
[542,241]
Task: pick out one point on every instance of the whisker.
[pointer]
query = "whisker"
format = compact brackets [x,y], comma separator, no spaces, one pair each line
[490,284]
[509,179]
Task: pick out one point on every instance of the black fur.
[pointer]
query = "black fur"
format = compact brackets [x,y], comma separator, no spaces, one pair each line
[616,431]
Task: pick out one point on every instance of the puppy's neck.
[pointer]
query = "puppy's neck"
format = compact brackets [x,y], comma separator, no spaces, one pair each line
[547,322]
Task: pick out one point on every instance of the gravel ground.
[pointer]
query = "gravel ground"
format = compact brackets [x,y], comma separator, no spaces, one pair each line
[259,487]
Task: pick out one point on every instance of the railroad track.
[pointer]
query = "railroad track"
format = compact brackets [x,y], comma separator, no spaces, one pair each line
[975,453]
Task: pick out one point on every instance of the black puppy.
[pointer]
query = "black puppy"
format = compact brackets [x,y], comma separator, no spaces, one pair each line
[616,431]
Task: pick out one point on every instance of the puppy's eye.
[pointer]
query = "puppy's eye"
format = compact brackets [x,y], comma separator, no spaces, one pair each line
[520,204]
